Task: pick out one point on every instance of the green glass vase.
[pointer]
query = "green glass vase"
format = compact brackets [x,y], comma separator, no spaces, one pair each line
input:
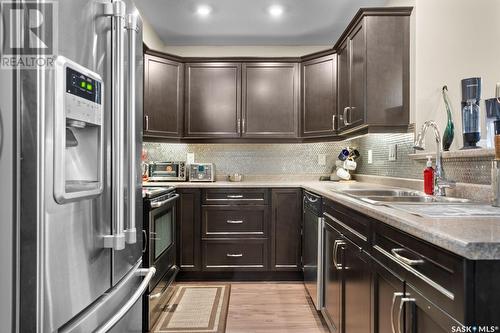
[449,132]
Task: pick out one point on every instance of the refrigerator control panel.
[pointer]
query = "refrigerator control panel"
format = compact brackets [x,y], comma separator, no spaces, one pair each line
[83,97]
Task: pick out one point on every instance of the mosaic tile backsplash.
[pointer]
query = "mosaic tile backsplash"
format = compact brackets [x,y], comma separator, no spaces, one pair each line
[252,159]
[302,159]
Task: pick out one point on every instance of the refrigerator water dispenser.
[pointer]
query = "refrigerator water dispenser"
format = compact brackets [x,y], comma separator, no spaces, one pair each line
[78,132]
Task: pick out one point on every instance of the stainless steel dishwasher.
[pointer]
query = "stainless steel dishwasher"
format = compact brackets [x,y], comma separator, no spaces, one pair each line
[312,247]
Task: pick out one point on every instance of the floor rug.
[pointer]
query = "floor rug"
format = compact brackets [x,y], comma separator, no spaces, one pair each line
[196,309]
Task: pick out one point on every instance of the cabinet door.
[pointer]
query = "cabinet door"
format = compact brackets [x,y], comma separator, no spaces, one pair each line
[343,72]
[357,55]
[333,281]
[319,97]
[163,94]
[389,290]
[286,229]
[422,316]
[270,94]
[213,100]
[189,230]
[358,291]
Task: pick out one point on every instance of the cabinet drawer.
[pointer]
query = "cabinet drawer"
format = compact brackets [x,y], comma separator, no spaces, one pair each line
[349,222]
[235,254]
[436,273]
[230,196]
[235,221]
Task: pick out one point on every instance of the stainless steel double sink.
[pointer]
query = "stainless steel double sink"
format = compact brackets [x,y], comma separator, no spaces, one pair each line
[400,196]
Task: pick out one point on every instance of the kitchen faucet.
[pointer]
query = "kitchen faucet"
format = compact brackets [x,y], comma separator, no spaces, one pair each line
[440,183]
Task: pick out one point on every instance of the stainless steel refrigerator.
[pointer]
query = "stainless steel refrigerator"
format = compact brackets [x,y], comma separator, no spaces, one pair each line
[76,191]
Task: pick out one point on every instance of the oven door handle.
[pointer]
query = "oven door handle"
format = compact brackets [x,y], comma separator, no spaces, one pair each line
[164,202]
[170,281]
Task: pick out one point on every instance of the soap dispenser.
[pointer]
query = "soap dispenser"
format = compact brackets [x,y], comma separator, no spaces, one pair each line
[429,177]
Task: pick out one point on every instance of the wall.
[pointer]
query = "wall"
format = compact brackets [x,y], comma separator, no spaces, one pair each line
[253,159]
[301,160]
[150,37]
[452,40]
[470,170]
[244,51]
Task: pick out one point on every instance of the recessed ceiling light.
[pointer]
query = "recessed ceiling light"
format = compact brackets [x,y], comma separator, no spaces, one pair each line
[203,10]
[275,10]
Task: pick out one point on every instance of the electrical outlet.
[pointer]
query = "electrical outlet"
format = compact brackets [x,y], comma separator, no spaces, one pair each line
[321,159]
[393,152]
[190,158]
[370,156]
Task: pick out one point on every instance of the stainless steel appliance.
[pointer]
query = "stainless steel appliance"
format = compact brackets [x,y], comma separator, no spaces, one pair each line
[202,172]
[78,193]
[312,248]
[167,171]
[159,249]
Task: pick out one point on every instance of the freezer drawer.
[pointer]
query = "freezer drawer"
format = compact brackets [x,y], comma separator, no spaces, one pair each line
[118,310]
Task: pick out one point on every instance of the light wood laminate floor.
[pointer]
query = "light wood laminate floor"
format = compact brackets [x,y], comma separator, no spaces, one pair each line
[278,307]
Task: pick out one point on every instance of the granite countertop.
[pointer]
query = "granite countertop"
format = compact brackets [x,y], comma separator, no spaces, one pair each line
[475,237]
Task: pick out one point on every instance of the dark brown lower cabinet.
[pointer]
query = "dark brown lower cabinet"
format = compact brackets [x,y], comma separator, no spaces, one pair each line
[189,230]
[334,282]
[423,316]
[235,255]
[388,288]
[286,229]
[358,289]
[348,282]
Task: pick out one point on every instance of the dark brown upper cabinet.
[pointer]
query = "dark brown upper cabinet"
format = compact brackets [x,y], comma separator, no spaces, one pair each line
[213,100]
[373,72]
[163,94]
[270,100]
[319,97]
[359,86]
[352,57]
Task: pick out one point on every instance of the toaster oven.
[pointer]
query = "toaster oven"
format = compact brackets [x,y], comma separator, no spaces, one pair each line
[167,171]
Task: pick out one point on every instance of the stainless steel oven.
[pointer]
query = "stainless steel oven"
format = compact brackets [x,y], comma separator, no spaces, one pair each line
[159,249]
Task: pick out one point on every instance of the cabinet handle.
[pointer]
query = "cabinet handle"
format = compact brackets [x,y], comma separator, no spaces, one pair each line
[146,118]
[145,244]
[334,122]
[234,196]
[336,245]
[410,262]
[401,304]
[238,125]
[234,221]
[347,115]
[394,297]
[236,255]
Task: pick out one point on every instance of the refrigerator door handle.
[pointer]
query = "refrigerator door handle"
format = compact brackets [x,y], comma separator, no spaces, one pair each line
[116,10]
[132,30]
[148,273]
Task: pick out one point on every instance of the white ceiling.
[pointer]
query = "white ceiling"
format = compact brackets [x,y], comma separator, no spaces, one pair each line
[247,22]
